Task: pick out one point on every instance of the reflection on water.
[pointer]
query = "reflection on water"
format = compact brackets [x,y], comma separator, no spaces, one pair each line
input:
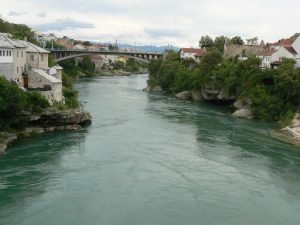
[150,159]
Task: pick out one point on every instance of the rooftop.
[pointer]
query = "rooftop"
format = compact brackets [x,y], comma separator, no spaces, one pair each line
[47,76]
[7,41]
[33,48]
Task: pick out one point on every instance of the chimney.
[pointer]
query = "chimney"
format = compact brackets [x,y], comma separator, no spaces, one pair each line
[25,38]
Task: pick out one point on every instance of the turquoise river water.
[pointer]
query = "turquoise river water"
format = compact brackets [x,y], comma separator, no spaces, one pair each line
[149,159]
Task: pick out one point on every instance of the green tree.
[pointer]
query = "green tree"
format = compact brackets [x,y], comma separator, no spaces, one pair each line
[236,41]
[219,43]
[252,41]
[206,42]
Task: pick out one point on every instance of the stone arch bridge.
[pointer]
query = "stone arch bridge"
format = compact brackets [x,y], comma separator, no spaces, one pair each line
[64,54]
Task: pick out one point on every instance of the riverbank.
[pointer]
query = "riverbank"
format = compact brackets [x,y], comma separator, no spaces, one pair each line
[241,109]
[119,72]
[50,120]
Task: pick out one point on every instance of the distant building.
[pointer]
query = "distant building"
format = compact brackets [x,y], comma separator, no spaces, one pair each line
[192,53]
[98,47]
[42,38]
[285,48]
[80,47]
[98,61]
[243,51]
[271,55]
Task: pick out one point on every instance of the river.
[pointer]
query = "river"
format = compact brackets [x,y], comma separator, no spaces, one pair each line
[149,159]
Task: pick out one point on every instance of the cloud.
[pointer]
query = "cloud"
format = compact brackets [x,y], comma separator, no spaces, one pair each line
[178,22]
[163,33]
[42,14]
[64,24]
[14,13]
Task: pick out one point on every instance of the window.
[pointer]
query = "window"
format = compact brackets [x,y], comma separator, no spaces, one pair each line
[22,54]
[7,53]
[22,70]
[3,53]
[0,53]
[17,70]
[17,54]
[42,58]
[31,57]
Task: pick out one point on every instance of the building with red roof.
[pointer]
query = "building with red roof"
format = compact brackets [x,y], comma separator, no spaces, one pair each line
[192,53]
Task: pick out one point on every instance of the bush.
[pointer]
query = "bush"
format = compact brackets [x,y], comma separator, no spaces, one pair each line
[71,96]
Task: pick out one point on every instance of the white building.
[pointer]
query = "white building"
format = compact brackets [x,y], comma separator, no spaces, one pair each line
[12,58]
[284,48]
[27,65]
[192,53]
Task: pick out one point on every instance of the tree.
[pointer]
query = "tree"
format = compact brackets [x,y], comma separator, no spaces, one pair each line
[252,41]
[206,42]
[219,43]
[236,41]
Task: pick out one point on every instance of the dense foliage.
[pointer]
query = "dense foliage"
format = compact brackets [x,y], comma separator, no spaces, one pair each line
[14,103]
[19,31]
[275,94]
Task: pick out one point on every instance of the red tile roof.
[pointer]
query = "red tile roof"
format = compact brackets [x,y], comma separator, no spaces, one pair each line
[291,50]
[285,42]
[269,52]
[198,51]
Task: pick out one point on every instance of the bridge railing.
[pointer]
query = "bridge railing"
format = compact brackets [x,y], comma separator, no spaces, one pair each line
[100,51]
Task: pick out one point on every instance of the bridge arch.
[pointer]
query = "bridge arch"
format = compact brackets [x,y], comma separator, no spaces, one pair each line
[62,55]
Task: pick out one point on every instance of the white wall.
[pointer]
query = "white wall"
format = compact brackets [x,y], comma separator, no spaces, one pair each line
[282,53]
[187,55]
[296,45]
[6,55]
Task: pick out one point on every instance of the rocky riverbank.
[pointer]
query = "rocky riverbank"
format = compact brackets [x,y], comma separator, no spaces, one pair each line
[50,120]
[291,133]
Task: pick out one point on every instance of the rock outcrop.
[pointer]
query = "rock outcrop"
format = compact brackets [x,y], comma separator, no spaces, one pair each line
[153,89]
[211,92]
[184,95]
[196,96]
[50,120]
[243,109]
[6,139]
[293,130]
[53,117]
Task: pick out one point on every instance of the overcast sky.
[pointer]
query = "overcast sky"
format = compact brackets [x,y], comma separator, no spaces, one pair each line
[177,22]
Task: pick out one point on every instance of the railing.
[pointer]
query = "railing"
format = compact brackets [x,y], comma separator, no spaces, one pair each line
[102,51]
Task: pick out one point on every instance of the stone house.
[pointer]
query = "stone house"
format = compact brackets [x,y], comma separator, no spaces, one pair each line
[36,57]
[46,84]
[12,58]
[192,53]
[98,61]
[27,65]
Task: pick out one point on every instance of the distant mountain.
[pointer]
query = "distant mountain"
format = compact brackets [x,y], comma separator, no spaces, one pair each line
[149,48]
